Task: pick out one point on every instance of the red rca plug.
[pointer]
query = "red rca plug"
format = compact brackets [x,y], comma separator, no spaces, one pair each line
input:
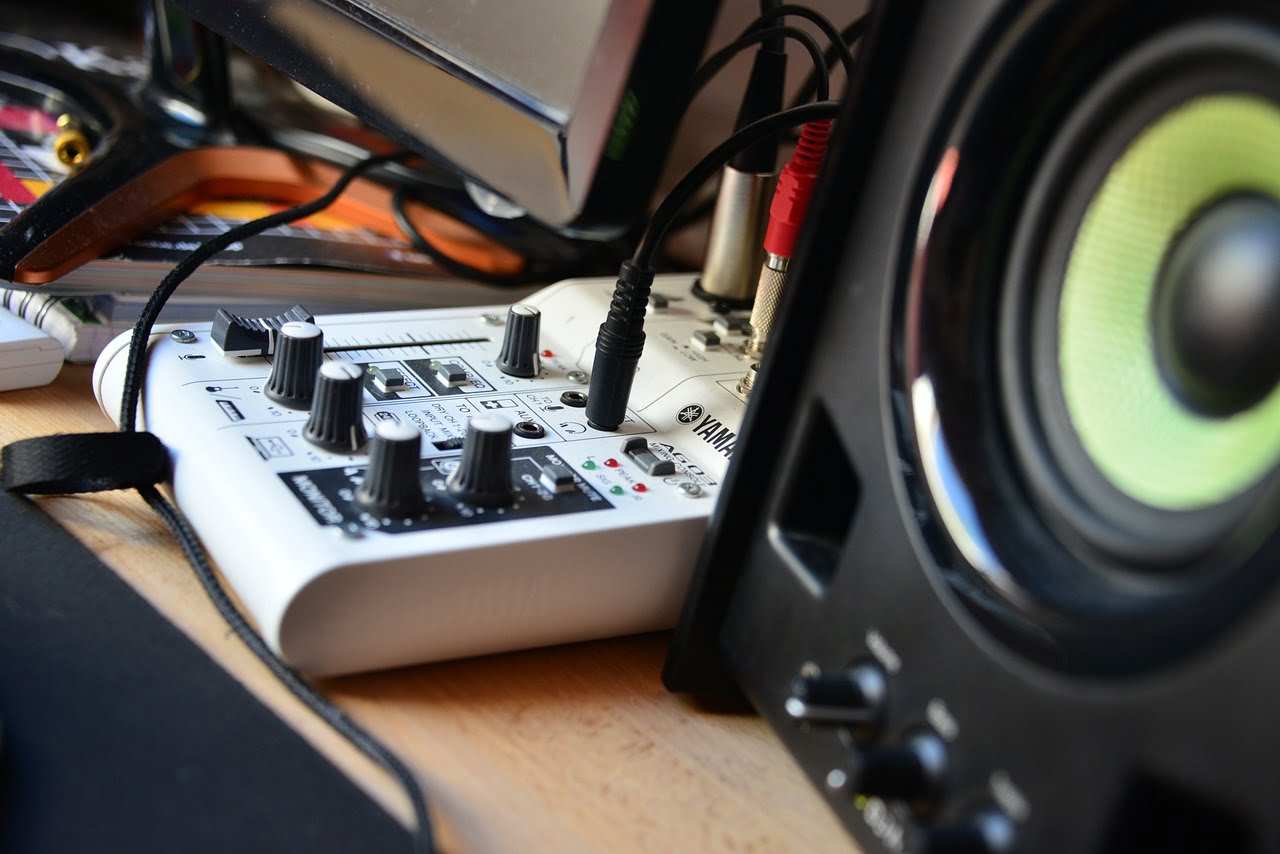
[795,189]
[786,216]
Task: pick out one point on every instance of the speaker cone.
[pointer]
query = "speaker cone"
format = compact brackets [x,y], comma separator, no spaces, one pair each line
[1093,316]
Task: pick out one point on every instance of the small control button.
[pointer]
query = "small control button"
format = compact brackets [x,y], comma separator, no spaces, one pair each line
[854,696]
[387,379]
[988,832]
[911,770]
[725,326]
[557,478]
[452,375]
[658,302]
[636,449]
[704,340]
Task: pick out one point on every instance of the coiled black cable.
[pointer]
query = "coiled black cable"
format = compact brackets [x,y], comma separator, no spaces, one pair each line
[173,519]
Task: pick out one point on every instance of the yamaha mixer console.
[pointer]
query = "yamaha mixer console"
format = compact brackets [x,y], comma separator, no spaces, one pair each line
[385,489]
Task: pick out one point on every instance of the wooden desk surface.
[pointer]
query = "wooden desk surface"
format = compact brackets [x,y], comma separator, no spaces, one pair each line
[565,749]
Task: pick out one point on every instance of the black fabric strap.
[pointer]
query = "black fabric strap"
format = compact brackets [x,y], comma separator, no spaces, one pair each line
[83,462]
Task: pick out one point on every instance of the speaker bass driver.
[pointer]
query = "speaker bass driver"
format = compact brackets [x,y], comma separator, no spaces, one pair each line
[1015,584]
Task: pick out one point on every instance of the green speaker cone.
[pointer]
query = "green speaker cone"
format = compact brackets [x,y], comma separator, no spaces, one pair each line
[1137,432]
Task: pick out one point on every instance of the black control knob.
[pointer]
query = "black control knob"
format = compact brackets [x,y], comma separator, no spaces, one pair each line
[988,832]
[299,352]
[854,696]
[909,771]
[337,421]
[519,354]
[483,476]
[392,487]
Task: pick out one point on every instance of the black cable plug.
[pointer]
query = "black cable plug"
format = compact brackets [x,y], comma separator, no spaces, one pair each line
[619,345]
[621,338]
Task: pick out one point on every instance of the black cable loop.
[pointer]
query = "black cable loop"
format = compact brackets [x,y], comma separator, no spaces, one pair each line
[173,519]
[754,36]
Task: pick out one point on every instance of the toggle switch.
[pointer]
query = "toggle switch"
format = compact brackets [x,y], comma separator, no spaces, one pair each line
[636,449]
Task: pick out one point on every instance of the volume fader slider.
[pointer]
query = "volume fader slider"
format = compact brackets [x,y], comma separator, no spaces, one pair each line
[252,336]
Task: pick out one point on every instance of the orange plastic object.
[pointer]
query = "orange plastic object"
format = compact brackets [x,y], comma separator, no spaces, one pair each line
[242,172]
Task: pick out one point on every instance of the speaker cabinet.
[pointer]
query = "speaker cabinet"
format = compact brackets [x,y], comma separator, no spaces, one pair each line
[999,550]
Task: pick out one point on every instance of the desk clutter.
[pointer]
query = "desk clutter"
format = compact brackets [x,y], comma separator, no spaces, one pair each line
[959,457]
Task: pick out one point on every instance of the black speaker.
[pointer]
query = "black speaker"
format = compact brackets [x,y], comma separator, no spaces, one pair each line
[999,549]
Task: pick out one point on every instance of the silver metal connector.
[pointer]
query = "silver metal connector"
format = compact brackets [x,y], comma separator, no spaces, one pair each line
[773,278]
[734,246]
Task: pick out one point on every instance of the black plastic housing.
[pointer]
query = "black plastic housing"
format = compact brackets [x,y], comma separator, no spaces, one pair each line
[828,548]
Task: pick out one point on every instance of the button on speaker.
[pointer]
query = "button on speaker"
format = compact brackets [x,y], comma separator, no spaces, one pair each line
[988,832]
[337,421]
[854,696]
[299,352]
[519,354]
[909,771]
[392,486]
[483,476]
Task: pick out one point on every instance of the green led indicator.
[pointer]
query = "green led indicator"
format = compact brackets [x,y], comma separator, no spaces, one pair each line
[589,466]
[617,490]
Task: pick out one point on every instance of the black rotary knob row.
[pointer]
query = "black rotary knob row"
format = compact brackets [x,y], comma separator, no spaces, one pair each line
[337,419]
[483,475]
[519,354]
[299,354]
[392,484]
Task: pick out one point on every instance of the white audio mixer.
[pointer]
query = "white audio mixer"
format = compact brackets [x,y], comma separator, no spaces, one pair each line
[528,528]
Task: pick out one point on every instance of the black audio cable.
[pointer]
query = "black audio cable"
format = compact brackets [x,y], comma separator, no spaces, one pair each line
[811,86]
[849,36]
[722,57]
[173,519]
[533,271]
[620,341]
[837,39]
[547,272]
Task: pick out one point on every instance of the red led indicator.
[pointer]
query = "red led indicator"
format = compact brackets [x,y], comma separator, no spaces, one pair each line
[611,463]
[547,354]
[640,487]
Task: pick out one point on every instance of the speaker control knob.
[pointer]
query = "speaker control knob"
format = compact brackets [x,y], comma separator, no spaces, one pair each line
[852,697]
[392,487]
[483,476]
[337,420]
[519,354]
[299,352]
[988,832]
[909,771]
